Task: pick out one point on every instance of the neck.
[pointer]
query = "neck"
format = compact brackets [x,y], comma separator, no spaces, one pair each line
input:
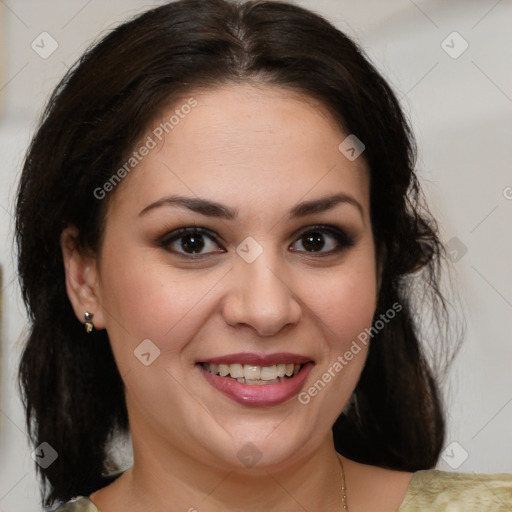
[174,481]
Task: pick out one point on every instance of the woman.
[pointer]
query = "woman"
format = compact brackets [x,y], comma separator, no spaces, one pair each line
[221,238]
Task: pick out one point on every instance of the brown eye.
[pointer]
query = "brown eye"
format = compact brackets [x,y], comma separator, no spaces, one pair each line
[313,241]
[190,241]
[319,237]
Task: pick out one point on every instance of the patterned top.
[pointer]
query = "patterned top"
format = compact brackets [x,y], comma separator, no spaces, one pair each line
[429,490]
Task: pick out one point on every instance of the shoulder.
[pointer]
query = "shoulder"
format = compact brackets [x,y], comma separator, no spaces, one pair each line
[84,503]
[79,504]
[445,491]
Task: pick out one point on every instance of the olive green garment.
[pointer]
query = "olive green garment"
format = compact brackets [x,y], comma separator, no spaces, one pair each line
[442,491]
[429,491]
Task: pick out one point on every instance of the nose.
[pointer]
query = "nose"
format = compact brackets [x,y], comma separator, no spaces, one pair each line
[260,296]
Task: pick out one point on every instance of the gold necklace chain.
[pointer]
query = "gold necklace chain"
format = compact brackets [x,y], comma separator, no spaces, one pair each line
[344,505]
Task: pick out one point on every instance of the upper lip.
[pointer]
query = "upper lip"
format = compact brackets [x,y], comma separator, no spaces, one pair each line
[256,359]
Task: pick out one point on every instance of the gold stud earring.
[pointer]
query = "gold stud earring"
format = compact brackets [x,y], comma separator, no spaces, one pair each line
[89,326]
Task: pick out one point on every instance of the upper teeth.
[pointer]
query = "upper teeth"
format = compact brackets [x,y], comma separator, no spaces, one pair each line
[251,372]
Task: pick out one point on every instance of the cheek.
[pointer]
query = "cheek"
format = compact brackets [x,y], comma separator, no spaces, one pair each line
[146,299]
[342,306]
[344,302]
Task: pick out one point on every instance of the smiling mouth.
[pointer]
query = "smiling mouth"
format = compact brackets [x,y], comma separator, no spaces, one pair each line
[253,375]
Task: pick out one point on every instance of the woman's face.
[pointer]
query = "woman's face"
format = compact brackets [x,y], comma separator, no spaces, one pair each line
[269,276]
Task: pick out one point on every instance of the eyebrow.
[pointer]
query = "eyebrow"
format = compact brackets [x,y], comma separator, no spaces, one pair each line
[214,209]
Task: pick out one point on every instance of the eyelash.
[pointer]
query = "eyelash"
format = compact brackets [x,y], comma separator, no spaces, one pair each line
[343,240]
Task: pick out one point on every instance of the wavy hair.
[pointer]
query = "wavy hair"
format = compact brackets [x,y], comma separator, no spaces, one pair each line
[71,388]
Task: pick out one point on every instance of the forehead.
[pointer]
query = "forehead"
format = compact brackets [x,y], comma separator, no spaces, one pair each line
[263,143]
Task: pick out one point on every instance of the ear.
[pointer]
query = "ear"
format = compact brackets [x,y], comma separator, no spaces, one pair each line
[82,284]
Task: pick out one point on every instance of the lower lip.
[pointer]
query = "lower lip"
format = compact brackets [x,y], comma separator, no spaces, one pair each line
[266,394]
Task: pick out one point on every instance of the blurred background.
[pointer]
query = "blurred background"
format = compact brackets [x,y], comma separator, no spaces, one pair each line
[450,63]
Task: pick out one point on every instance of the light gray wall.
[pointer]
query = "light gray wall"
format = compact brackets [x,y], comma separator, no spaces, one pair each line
[461,110]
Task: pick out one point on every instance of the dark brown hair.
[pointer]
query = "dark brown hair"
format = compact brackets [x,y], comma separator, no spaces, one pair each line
[72,391]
